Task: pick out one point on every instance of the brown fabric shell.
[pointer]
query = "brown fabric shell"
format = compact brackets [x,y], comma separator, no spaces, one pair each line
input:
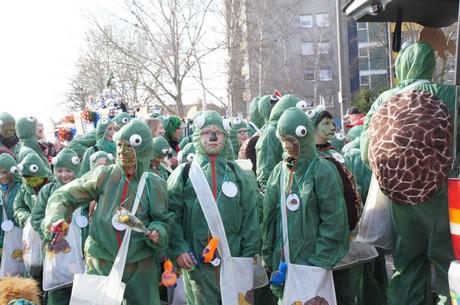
[410,146]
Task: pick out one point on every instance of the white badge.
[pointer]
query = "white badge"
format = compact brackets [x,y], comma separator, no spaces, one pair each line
[81,221]
[338,156]
[229,189]
[117,224]
[293,202]
[7,225]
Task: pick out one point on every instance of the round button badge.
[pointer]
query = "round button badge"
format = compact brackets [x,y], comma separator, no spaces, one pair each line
[292,202]
[229,189]
[81,221]
[7,225]
[117,224]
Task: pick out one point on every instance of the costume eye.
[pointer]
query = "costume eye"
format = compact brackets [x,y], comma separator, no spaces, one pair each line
[125,120]
[20,167]
[311,113]
[301,131]
[135,140]
[104,121]
[320,108]
[33,168]
[340,136]
[237,121]
[75,160]
[302,105]
[227,124]
[14,169]
[30,119]
[54,160]
[199,122]
[1,123]
[110,156]
[190,156]
[92,158]
[165,117]
[166,150]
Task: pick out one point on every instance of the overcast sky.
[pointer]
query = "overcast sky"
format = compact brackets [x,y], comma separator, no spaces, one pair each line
[40,43]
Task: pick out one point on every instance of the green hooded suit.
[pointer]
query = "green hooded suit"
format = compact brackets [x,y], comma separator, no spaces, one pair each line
[111,187]
[191,231]
[318,228]
[421,233]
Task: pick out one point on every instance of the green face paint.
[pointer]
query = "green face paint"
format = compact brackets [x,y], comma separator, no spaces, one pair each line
[213,140]
[126,154]
[325,130]
[34,181]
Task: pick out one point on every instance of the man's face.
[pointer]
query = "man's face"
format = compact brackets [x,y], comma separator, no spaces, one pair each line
[290,146]
[242,135]
[126,154]
[213,140]
[109,131]
[39,131]
[8,130]
[5,176]
[325,130]
[65,175]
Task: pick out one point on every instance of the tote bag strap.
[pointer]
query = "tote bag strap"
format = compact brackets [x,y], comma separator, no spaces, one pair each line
[119,264]
[209,207]
[285,232]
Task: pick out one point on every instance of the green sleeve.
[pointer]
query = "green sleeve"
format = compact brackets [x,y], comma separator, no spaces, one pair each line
[21,209]
[38,211]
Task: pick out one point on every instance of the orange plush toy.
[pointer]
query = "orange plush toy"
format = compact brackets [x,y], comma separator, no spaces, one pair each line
[18,290]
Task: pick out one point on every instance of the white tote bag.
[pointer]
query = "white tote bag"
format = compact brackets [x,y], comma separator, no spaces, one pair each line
[63,260]
[12,262]
[32,250]
[237,273]
[304,284]
[91,289]
[374,227]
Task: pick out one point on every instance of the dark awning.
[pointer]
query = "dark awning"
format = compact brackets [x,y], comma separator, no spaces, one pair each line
[429,13]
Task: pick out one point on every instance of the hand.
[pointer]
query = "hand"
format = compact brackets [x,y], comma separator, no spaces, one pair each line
[269,270]
[184,261]
[154,236]
[173,161]
[59,230]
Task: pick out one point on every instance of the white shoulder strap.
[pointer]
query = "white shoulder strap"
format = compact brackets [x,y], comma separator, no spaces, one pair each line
[285,233]
[209,207]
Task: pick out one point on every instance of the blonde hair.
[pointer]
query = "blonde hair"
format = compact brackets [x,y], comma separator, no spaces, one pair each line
[152,123]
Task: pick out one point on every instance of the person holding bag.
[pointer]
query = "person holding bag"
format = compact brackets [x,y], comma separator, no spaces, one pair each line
[226,220]
[113,187]
[314,229]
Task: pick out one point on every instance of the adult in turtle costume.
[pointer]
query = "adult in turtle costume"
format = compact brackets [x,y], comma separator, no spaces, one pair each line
[8,137]
[27,129]
[421,234]
[66,166]
[172,125]
[268,148]
[111,187]
[238,212]
[160,150]
[238,134]
[9,184]
[80,145]
[255,119]
[318,226]
[105,129]
[121,120]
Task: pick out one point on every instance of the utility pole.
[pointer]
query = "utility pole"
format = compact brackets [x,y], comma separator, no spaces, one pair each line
[340,61]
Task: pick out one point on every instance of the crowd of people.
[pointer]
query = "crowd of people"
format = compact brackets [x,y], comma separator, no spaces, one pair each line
[304,189]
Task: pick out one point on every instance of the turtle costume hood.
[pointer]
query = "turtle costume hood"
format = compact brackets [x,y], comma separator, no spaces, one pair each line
[204,120]
[286,101]
[101,131]
[33,166]
[26,128]
[161,147]
[264,108]
[417,61]
[171,123]
[295,123]
[100,154]
[139,136]
[122,119]
[5,120]
[66,158]
[254,114]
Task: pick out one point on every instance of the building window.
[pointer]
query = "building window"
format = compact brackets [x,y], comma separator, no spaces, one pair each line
[327,100]
[324,47]
[308,48]
[306,21]
[309,75]
[325,74]
[363,52]
[362,25]
[322,19]
[364,81]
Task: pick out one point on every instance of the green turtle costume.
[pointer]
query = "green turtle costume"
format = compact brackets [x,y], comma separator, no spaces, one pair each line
[268,148]
[8,136]
[101,144]
[421,233]
[255,119]
[171,123]
[121,119]
[79,145]
[66,158]
[26,130]
[318,227]
[191,231]
[110,159]
[237,124]
[8,191]
[111,188]
[160,148]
